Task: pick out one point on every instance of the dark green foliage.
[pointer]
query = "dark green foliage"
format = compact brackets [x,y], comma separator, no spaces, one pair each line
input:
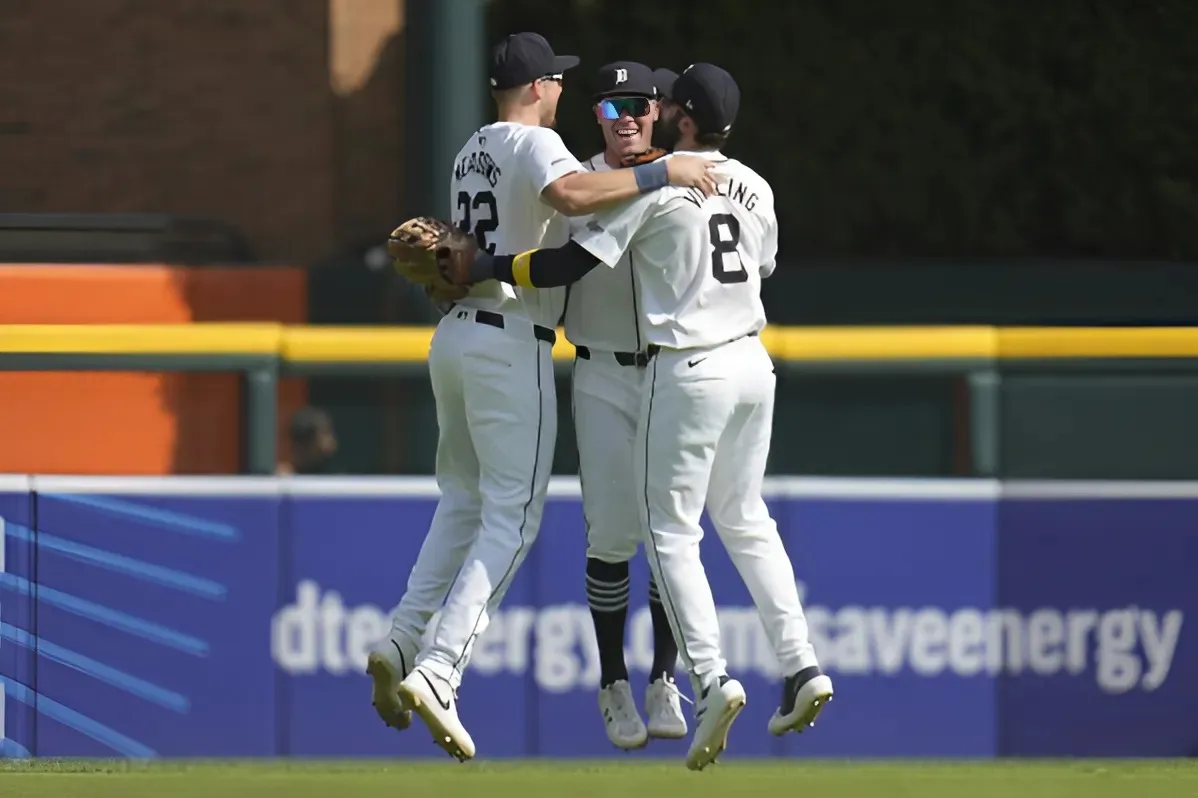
[931,127]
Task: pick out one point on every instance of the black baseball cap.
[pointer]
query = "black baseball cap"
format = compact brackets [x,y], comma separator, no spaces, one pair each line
[664,79]
[625,79]
[707,94]
[523,58]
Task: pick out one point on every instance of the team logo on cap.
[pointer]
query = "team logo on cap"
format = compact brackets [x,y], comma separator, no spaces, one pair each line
[621,76]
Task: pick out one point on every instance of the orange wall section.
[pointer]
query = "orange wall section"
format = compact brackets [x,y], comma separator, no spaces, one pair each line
[135,423]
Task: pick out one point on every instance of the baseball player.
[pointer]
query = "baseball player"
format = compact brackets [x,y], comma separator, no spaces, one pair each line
[707,400]
[603,322]
[491,369]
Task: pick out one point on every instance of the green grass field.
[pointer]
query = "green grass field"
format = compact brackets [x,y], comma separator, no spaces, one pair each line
[608,779]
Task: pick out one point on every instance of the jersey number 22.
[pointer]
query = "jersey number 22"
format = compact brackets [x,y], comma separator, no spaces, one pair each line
[467,206]
[726,266]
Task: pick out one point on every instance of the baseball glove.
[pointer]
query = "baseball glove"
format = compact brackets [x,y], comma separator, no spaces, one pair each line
[415,246]
[647,156]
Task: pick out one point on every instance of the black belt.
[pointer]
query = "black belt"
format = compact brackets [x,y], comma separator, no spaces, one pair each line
[492,319]
[641,358]
[624,358]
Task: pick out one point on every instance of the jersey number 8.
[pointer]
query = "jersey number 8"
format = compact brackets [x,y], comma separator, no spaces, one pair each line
[483,225]
[726,265]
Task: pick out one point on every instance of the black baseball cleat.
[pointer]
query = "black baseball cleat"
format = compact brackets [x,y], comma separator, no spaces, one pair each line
[804,695]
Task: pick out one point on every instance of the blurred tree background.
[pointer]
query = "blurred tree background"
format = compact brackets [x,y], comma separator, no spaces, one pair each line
[931,127]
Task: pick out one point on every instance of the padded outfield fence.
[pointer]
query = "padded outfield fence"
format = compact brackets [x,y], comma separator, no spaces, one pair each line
[229,617]
[983,356]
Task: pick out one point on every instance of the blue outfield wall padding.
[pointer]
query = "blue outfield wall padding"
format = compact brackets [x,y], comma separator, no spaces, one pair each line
[959,619]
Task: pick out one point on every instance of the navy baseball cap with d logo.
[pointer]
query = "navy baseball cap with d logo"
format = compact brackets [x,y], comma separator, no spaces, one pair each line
[523,58]
[707,94]
[625,79]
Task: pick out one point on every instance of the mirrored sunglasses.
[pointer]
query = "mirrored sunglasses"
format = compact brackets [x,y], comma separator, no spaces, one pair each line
[616,107]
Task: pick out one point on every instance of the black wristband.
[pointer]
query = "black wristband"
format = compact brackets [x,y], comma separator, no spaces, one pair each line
[501,268]
[483,267]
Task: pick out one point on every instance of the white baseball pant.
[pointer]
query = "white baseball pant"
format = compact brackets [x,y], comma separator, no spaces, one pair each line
[704,437]
[497,421]
[607,406]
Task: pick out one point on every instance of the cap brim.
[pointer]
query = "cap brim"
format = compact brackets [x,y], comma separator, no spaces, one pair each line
[603,95]
[664,78]
[563,62]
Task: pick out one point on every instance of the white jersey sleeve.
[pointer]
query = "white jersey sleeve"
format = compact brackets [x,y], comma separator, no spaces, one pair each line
[610,233]
[769,249]
[601,309]
[593,164]
[546,159]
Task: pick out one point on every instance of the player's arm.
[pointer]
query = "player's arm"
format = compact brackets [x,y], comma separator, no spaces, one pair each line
[569,189]
[581,193]
[603,240]
[769,253]
[537,268]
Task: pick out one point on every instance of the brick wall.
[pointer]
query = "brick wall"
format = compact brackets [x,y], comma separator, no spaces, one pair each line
[221,108]
[367,57]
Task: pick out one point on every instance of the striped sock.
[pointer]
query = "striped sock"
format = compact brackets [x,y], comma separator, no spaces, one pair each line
[607,596]
[665,649]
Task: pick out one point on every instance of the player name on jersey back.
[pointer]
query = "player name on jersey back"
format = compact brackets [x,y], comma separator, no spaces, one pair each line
[698,261]
[496,193]
[478,162]
[735,190]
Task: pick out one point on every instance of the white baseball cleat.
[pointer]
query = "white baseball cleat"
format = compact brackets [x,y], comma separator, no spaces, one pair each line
[436,702]
[804,696]
[718,707]
[663,708]
[624,726]
[388,664]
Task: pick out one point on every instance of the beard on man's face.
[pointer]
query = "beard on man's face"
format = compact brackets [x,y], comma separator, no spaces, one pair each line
[666,133]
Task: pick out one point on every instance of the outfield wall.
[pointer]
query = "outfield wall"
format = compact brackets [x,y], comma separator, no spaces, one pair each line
[227,617]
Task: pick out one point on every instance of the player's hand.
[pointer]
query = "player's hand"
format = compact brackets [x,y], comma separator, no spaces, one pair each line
[454,258]
[691,171]
[415,246]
